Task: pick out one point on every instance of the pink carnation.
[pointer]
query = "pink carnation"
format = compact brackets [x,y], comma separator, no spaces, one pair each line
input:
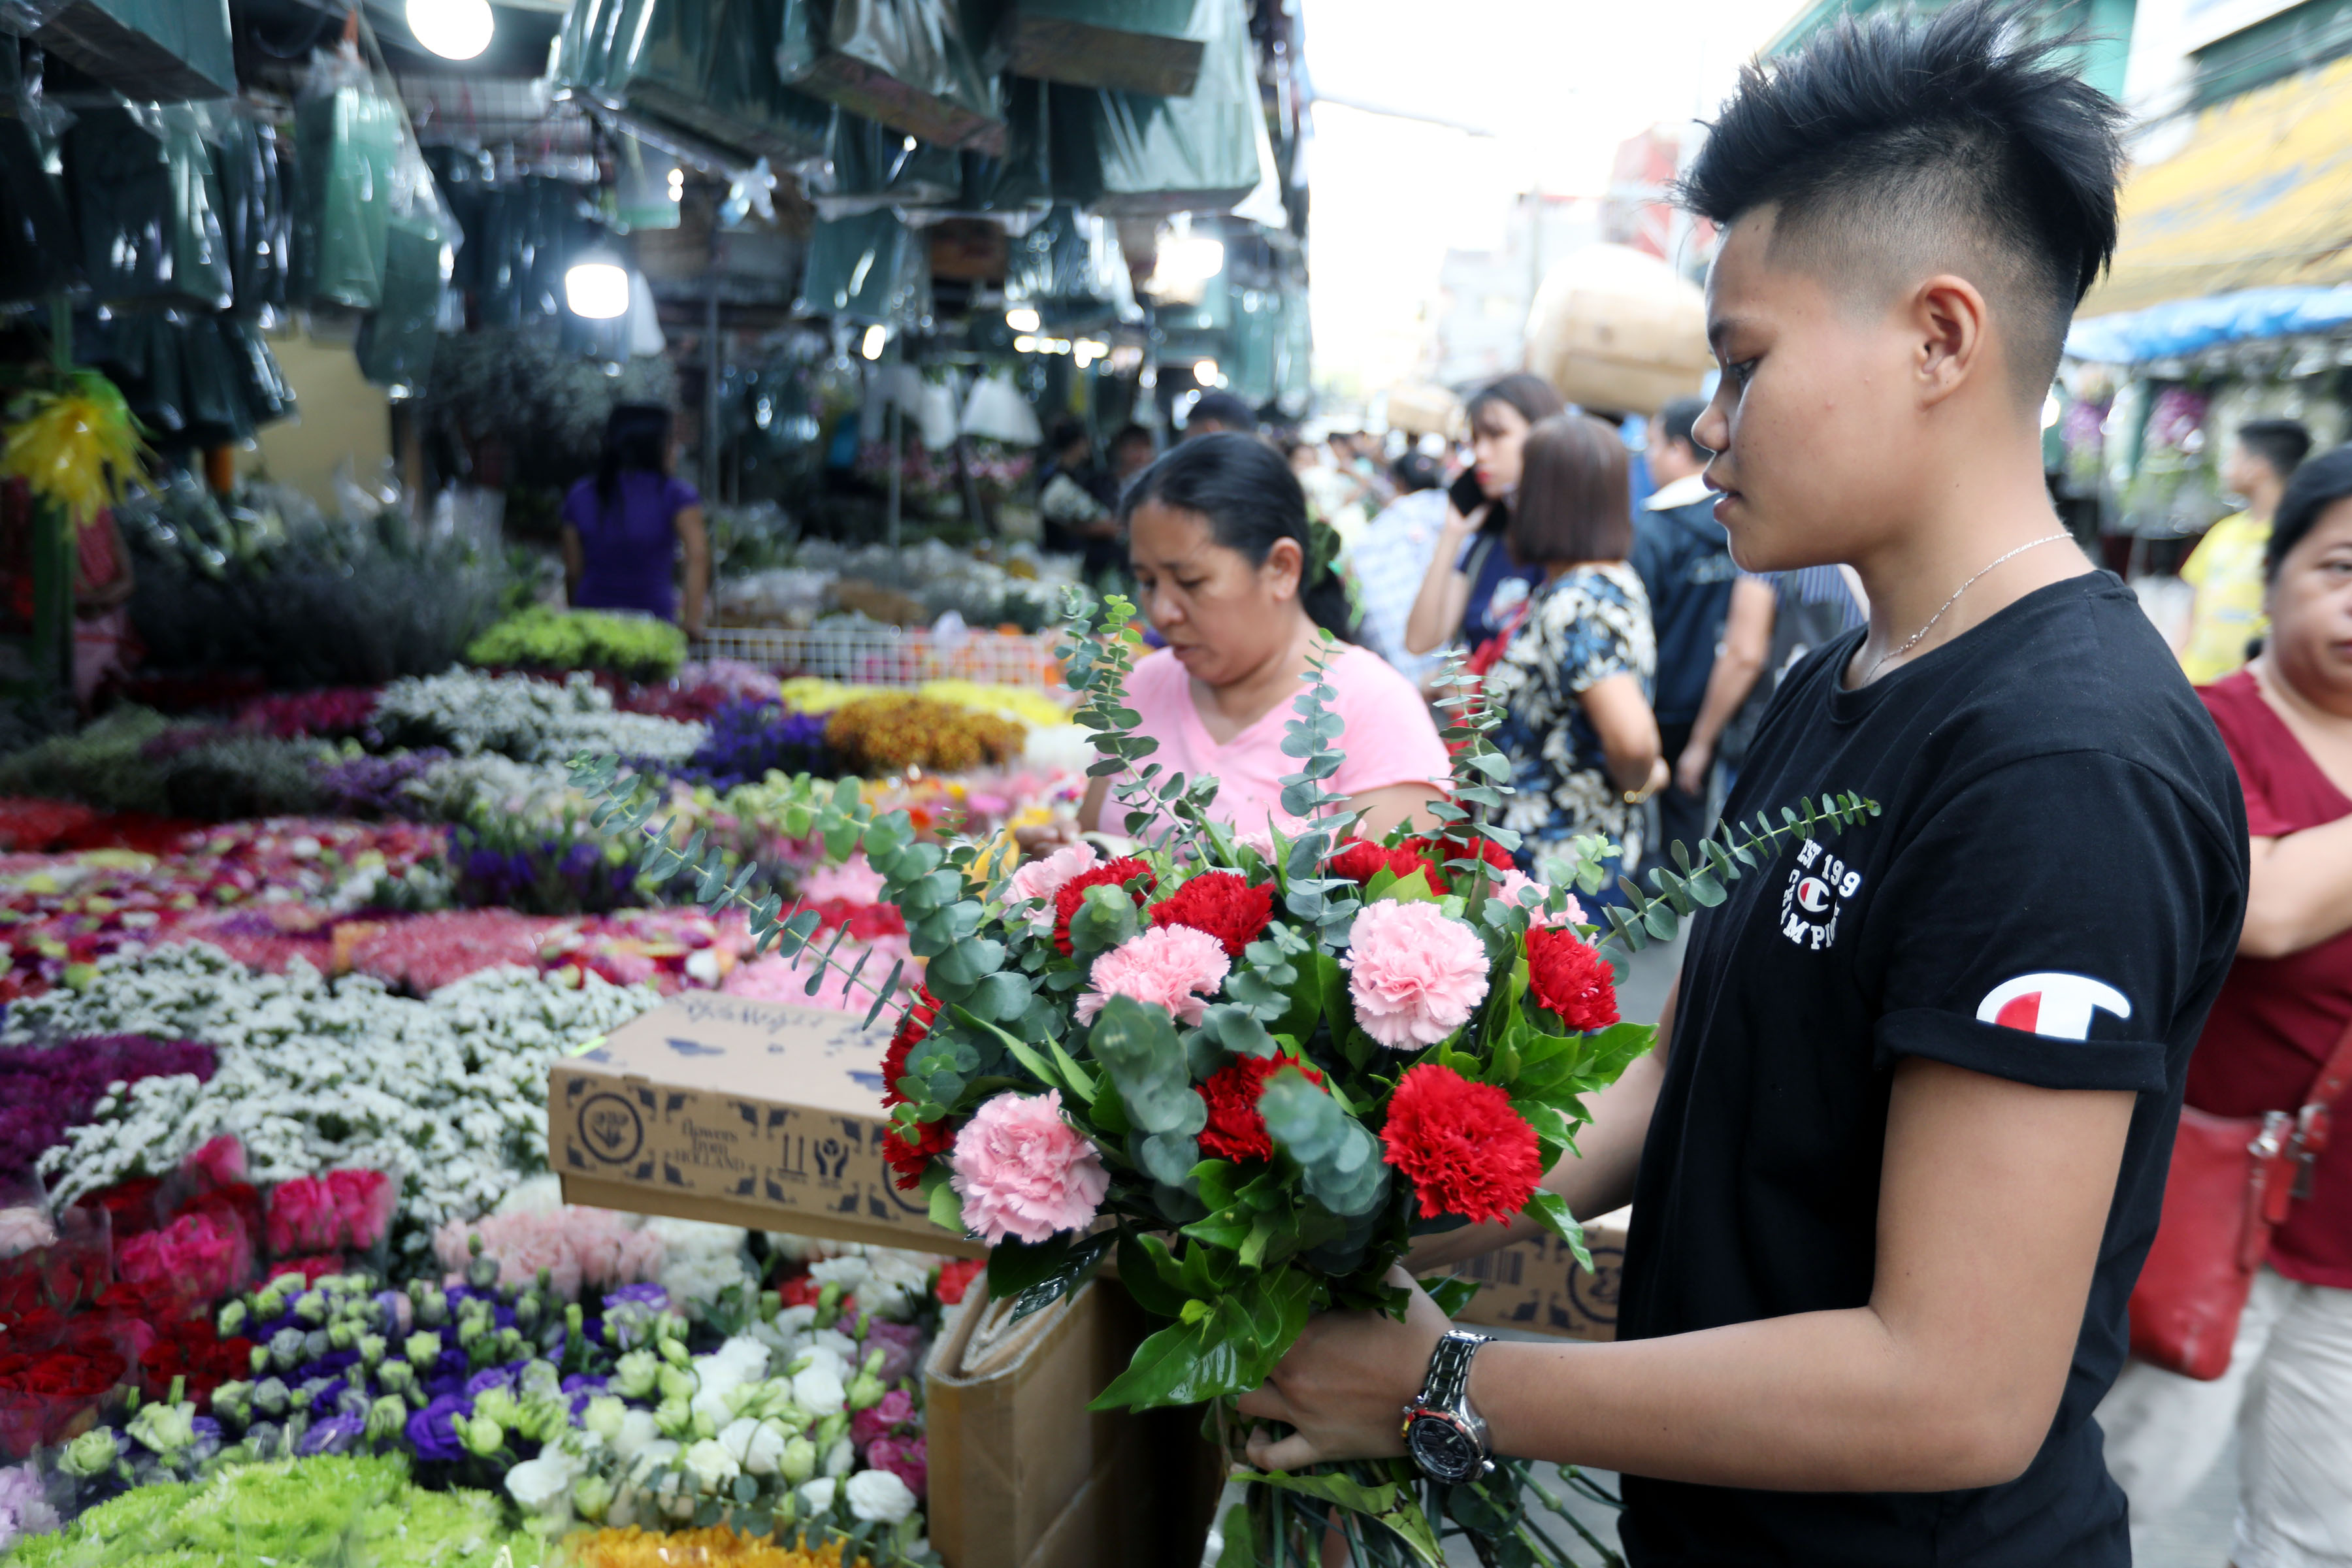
[1023,1171]
[577,1246]
[1166,966]
[1043,879]
[1416,977]
[1508,886]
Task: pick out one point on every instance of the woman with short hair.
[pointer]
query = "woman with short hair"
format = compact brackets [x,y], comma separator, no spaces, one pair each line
[1574,676]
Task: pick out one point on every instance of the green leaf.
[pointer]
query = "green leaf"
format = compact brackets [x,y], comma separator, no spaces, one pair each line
[1450,1292]
[1104,918]
[946,1207]
[1137,1048]
[1388,1503]
[1229,1351]
[1550,1210]
[1241,1539]
[1002,997]
[1338,1159]
[1078,1264]
[1148,1273]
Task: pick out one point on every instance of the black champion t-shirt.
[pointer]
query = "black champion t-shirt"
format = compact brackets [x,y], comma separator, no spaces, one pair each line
[2051,894]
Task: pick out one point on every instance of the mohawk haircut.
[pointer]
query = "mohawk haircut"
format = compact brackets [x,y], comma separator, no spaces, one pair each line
[1894,146]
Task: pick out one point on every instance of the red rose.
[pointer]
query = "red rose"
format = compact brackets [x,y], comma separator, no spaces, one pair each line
[1110,874]
[800,1290]
[191,1351]
[909,1161]
[1235,1130]
[134,1208]
[910,1033]
[1463,1148]
[956,1276]
[1223,905]
[1569,979]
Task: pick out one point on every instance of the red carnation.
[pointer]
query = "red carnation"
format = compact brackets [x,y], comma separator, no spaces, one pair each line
[909,1161]
[1570,979]
[1109,874]
[910,1033]
[1463,1148]
[1359,860]
[1223,904]
[1437,852]
[1236,1131]
[956,1276]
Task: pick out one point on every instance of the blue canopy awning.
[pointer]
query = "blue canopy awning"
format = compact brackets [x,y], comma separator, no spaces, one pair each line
[2180,327]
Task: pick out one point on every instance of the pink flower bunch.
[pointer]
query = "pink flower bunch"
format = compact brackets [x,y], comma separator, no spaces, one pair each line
[1511,883]
[855,880]
[909,1459]
[219,1162]
[898,1408]
[1415,975]
[577,1246]
[1041,879]
[1175,967]
[429,951]
[198,1256]
[1023,1171]
[342,1210]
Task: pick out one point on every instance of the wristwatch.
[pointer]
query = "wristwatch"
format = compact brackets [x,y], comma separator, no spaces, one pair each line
[1442,1433]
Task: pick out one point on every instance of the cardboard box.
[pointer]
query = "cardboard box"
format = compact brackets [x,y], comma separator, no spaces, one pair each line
[740,1111]
[1537,1285]
[1023,1475]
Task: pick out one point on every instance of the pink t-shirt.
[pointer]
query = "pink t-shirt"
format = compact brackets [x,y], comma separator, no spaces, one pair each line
[1389,739]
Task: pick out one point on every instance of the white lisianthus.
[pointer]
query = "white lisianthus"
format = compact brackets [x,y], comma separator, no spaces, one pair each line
[543,1485]
[758,1446]
[878,1496]
[817,1495]
[710,1465]
[651,1457]
[840,1457]
[818,1389]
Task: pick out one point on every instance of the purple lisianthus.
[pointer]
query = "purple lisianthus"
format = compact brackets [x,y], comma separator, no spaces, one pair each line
[335,1435]
[430,1430]
[646,1294]
[901,1345]
[491,1377]
[750,739]
[373,786]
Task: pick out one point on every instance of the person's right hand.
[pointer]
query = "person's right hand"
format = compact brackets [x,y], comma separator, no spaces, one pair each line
[1458,527]
[1690,768]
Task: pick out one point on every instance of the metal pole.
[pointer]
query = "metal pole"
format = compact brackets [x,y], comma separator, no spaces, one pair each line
[898,461]
[710,389]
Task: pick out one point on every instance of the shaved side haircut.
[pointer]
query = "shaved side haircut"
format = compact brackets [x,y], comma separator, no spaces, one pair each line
[1894,147]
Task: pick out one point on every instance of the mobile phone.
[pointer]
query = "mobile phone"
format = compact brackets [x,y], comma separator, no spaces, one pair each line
[1465,493]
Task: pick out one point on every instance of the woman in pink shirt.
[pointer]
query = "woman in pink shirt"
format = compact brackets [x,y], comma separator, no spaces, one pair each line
[1217,538]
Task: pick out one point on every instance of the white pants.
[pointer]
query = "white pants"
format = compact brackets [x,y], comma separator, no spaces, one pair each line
[2289,1390]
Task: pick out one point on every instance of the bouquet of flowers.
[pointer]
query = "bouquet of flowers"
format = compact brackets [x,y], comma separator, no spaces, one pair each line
[1251,1066]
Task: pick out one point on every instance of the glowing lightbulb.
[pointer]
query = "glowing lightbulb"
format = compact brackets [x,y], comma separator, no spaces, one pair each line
[875,338]
[1022,318]
[598,290]
[1205,372]
[454,29]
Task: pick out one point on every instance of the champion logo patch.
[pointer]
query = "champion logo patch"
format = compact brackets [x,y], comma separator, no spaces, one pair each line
[2057,1005]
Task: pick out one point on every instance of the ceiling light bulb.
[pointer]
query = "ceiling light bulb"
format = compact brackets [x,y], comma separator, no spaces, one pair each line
[598,290]
[1205,372]
[1022,318]
[875,338]
[454,29]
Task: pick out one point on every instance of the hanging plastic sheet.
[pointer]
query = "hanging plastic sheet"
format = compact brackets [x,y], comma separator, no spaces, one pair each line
[1070,270]
[465,177]
[348,138]
[906,63]
[395,344]
[1019,184]
[527,231]
[1135,154]
[217,411]
[269,396]
[39,253]
[867,267]
[146,200]
[1130,46]
[255,221]
[141,353]
[705,66]
[873,166]
[151,50]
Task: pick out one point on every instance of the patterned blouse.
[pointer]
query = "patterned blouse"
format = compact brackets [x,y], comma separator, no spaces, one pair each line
[1590,624]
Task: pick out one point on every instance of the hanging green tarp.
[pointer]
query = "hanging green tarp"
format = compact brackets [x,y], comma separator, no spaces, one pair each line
[396,343]
[255,220]
[218,414]
[348,137]
[150,50]
[1070,270]
[906,63]
[1021,179]
[705,66]
[874,165]
[267,394]
[39,253]
[1128,46]
[516,254]
[867,267]
[1129,153]
[146,202]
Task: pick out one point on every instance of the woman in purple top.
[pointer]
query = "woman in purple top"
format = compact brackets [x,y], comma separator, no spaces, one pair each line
[622,530]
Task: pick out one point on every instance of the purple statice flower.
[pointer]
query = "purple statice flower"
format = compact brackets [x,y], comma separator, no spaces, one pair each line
[748,739]
[372,786]
[335,1435]
[430,1432]
[47,1090]
[25,1508]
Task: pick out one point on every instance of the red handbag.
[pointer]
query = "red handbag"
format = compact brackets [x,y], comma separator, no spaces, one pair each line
[2229,1187]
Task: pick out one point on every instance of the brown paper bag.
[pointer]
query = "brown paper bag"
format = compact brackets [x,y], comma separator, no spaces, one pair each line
[1024,1475]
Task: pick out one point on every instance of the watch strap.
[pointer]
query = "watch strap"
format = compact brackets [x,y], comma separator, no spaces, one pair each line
[1448,1386]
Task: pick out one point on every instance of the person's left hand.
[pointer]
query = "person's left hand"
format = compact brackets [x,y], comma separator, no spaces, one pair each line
[1345,1384]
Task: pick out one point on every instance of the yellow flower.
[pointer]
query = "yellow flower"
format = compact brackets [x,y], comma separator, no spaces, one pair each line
[637,1548]
[78,449]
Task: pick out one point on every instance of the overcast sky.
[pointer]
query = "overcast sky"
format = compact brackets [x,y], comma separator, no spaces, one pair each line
[1555,85]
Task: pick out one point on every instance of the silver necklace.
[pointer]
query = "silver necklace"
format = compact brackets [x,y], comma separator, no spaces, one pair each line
[1923,631]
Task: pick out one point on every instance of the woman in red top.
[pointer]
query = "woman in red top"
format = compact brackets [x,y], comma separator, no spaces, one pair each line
[2287,719]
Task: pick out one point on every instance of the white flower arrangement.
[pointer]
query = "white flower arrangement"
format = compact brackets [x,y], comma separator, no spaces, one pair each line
[448,1094]
[527,720]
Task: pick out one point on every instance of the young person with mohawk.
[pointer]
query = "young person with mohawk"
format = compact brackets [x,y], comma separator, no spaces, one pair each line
[1896,1168]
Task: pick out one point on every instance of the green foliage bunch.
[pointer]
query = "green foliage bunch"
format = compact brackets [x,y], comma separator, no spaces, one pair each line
[638,647]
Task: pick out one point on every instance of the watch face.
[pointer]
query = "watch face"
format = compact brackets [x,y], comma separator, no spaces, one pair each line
[1442,1450]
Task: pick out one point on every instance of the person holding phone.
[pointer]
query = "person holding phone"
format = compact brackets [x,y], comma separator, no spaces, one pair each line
[1474,591]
